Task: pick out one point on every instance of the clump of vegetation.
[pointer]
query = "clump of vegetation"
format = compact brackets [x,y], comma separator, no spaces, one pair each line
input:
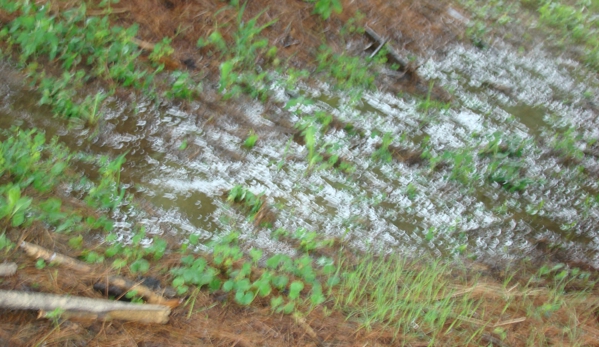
[86,48]
[325,8]
[352,74]
[383,153]
[251,140]
[282,279]
[237,74]
[251,202]
[568,22]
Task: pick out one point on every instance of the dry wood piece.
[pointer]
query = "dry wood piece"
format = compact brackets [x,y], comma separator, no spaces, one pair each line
[79,307]
[382,41]
[126,285]
[36,252]
[143,44]
[302,322]
[8,269]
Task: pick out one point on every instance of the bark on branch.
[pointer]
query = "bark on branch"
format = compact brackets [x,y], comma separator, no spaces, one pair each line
[86,308]
[382,41]
[126,285]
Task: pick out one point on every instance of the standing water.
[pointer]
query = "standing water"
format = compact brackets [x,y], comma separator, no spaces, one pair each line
[498,172]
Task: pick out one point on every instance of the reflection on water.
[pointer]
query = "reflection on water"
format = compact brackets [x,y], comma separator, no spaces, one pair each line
[183,161]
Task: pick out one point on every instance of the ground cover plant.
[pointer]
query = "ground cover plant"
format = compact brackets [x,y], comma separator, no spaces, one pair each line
[312,288]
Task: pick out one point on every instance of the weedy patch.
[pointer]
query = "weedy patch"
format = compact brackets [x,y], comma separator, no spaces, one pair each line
[253,205]
[237,73]
[283,279]
[352,74]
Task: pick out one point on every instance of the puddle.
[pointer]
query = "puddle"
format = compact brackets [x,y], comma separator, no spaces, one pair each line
[183,161]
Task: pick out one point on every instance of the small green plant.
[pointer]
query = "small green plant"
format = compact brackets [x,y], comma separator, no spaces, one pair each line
[76,242]
[183,145]
[251,140]
[183,87]
[310,241]
[309,134]
[383,153]
[133,296]
[40,264]
[14,207]
[411,191]
[161,50]
[5,244]
[55,316]
[428,104]
[108,194]
[140,266]
[353,24]
[237,73]
[325,8]
[566,144]
[251,202]
[352,74]
[197,272]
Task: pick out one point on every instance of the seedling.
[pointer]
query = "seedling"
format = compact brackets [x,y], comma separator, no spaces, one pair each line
[250,142]
[5,244]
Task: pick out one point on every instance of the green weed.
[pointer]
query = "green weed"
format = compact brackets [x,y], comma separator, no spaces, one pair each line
[352,74]
[251,202]
[161,50]
[183,87]
[407,299]
[251,140]
[237,73]
[5,243]
[325,8]
[13,206]
[383,153]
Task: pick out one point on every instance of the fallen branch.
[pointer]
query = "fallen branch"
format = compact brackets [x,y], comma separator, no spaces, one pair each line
[484,323]
[307,328]
[37,252]
[84,308]
[143,44]
[379,48]
[392,52]
[126,285]
[8,269]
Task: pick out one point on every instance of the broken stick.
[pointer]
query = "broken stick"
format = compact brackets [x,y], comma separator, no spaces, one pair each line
[86,308]
[8,269]
[381,41]
[126,285]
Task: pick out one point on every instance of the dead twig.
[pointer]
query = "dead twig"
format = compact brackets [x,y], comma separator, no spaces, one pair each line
[392,52]
[148,294]
[84,308]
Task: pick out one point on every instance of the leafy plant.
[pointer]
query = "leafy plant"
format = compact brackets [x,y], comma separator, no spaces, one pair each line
[183,87]
[14,207]
[197,272]
[108,194]
[237,74]
[352,74]
[161,50]
[382,153]
[251,202]
[55,315]
[251,140]
[325,8]
[5,243]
